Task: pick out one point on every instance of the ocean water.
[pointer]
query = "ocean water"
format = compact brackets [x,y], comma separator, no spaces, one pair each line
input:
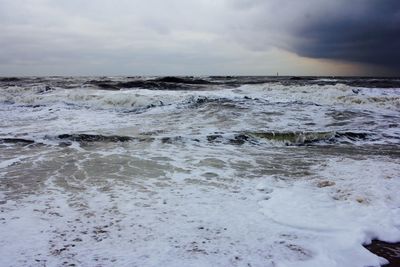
[198,171]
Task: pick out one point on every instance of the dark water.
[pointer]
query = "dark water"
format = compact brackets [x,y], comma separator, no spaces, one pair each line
[190,82]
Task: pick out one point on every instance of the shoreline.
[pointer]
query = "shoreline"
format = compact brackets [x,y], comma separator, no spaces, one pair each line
[389,251]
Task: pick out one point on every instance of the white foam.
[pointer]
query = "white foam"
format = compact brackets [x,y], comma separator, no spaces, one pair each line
[339,94]
[360,205]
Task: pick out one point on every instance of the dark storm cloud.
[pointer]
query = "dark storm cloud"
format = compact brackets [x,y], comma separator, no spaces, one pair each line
[359,31]
[366,31]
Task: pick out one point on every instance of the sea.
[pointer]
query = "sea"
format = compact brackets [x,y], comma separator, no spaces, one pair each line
[199,171]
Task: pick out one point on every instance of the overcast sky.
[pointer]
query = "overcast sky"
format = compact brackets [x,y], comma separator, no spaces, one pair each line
[199,37]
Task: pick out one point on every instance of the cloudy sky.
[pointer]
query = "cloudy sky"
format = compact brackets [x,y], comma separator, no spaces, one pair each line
[199,37]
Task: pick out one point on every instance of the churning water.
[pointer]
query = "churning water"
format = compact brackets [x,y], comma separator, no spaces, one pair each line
[198,171]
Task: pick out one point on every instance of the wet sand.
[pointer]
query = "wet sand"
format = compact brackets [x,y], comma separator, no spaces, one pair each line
[389,251]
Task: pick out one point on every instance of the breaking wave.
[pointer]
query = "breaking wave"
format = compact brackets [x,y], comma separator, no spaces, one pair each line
[368,98]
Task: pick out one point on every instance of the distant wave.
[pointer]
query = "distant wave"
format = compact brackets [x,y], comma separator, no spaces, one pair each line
[190,82]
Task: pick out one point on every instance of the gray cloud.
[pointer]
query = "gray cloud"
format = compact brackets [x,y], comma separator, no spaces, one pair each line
[366,31]
[196,37]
